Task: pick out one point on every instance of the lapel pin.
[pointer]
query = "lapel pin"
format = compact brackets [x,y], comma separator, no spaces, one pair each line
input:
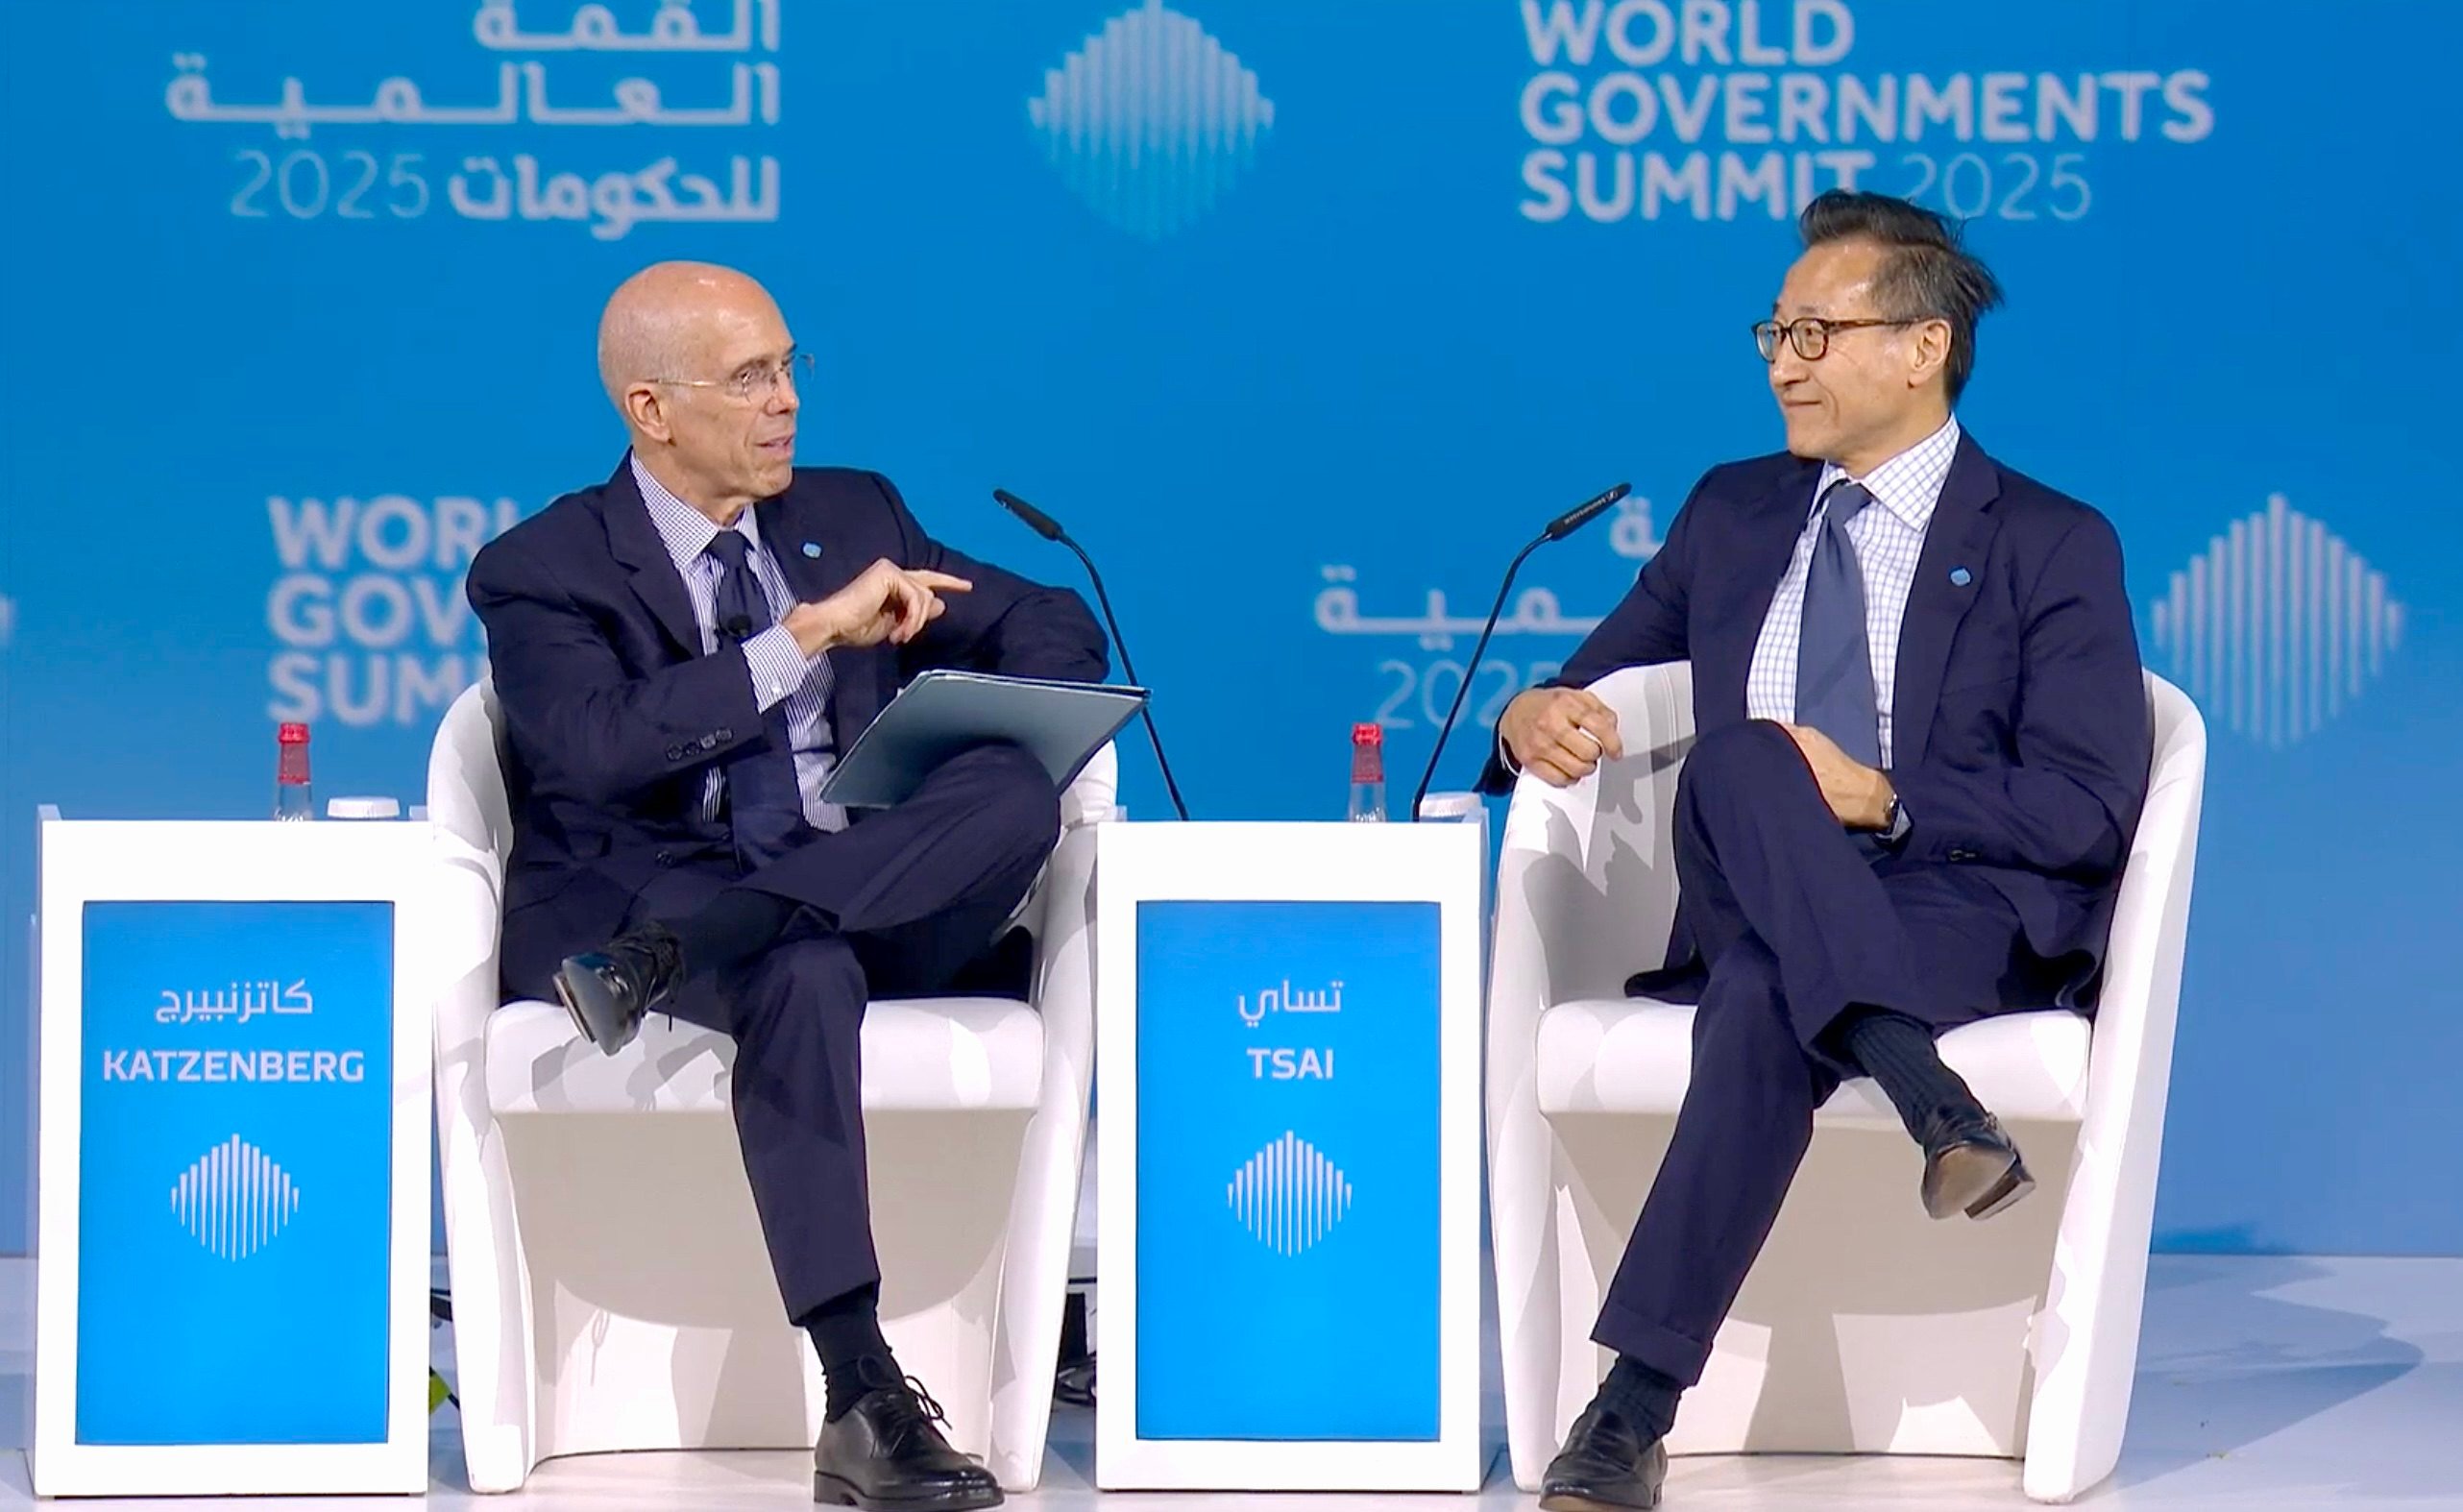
[1960,577]
[811,549]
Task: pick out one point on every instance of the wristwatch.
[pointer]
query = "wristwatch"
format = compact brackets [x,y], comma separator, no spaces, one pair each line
[1896,824]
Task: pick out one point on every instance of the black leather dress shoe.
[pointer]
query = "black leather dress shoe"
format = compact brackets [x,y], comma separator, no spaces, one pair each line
[1605,1466]
[1970,1166]
[887,1455]
[608,991]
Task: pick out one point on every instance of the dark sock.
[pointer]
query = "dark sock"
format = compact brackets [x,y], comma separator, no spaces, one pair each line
[1641,1394]
[735,926]
[1898,1052]
[855,1358]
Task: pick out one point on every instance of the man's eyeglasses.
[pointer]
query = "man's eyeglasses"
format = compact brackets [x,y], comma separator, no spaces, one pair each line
[757,382]
[1810,335]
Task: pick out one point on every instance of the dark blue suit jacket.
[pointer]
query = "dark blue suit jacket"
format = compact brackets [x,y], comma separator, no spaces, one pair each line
[614,717]
[2021,732]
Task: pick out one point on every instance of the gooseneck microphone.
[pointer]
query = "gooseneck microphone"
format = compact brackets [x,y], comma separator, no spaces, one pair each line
[1559,529]
[1049,528]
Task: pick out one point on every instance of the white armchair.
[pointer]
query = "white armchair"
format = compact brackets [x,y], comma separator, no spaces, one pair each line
[1866,1326]
[611,1290]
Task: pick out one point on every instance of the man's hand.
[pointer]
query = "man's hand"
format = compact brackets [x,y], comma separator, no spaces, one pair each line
[888,602]
[1860,795]
[1560,735]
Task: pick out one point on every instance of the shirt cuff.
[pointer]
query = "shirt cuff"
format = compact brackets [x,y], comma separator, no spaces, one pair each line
[777,665]
[1505,759]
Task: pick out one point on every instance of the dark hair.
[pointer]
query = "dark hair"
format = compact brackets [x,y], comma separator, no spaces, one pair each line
[1926,273]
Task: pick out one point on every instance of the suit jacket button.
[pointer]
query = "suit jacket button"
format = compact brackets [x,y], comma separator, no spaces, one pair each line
[665,857]
[727,734]
[675,753]
[1963,855]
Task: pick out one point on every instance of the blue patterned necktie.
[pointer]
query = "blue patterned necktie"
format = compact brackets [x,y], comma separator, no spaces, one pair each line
[764,806]
[1834,658]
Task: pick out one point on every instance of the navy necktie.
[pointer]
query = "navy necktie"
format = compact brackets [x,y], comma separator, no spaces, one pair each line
[1834,658]
[764,809]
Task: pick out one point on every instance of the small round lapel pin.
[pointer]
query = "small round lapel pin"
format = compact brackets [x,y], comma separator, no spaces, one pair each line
[811,550]
[1960,577]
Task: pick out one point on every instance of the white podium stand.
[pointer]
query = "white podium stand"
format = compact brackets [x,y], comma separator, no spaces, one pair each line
[233,1223]
[1287,1027]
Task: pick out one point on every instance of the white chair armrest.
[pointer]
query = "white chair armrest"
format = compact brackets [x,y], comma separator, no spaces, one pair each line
[2086,1340]
[1557,937]
[1090,797]
[483,1244]
[1042,1215]
[469,909]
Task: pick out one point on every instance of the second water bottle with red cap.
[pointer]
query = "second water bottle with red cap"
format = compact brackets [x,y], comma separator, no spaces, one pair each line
[1367,773]
[293,798]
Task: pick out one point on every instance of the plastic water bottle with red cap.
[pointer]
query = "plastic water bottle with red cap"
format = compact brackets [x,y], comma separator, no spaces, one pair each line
[1367,773]
[292,800]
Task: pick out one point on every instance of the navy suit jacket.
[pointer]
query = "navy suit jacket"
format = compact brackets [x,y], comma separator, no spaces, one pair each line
[2021,731]
[612,716]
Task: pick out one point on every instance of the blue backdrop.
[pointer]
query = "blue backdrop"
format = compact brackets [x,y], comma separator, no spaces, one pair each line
[1302,317]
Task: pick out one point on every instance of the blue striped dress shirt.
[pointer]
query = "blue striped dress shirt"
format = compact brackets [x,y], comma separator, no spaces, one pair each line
[780,669]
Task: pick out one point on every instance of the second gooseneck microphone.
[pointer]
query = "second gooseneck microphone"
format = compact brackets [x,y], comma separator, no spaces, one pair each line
[1559,529]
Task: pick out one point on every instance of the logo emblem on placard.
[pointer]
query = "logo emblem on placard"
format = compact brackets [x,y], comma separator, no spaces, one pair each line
[1289,1197]
[235,1200]
[1151,121]
[2277,627]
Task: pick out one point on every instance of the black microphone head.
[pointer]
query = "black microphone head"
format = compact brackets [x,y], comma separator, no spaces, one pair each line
[1582,514]
[1036,519]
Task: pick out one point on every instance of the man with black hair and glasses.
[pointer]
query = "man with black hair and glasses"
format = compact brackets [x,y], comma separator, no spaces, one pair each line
[1924,743]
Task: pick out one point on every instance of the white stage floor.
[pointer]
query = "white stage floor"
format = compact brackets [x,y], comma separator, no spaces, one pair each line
[2286,1383]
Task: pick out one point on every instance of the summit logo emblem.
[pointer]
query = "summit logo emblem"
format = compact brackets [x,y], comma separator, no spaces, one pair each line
[2278,626]
[235,1200]
[1288,1196]
[1151,122]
